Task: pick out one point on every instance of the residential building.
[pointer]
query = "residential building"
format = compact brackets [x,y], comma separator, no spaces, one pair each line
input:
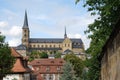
[47,69]
[20,70]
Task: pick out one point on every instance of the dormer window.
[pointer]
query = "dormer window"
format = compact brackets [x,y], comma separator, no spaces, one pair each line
[47,68]
[52,61]
[58,68]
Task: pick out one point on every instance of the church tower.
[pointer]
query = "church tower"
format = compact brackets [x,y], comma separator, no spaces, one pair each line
[25,32]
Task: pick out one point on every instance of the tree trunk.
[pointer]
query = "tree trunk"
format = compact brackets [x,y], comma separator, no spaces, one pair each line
[1,77]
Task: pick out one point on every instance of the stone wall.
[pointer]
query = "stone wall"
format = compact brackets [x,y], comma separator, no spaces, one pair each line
[110,63]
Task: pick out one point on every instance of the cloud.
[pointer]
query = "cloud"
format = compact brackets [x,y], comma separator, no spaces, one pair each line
[14,31]
[3,24]
[46,19]
[14,42]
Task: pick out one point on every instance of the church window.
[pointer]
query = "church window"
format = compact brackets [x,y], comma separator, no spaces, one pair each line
[25,40]
[38,46]
[65,45]
[42,46]
[34,46]
[50,46]
[24,30]
[24,35]
[46,46]
[68,45]
[59,46]
[54,45]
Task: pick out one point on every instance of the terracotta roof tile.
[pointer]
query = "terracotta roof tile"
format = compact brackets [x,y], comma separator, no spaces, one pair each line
[52,65]
[18,66]
[15,53]
[51,62]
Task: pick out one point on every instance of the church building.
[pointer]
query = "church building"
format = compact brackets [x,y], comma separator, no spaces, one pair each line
[49,45]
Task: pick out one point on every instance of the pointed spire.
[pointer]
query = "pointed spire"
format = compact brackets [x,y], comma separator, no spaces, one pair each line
[65,35]
[25,25]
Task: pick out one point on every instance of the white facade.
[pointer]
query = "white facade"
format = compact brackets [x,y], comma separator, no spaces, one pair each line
[17,77]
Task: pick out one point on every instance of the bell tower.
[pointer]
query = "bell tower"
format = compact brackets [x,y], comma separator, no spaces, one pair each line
[25,32]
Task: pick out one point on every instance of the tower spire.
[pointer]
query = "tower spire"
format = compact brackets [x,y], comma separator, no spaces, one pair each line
[65,35]
[25,25]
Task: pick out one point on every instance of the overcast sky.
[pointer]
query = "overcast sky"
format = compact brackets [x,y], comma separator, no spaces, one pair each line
[46,18]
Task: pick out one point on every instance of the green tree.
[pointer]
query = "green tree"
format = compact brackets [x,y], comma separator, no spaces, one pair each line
[34,55]
[43,55]
[6,60]
[57,55]
[37,55]
[76,62]
[108,12]
[68,72]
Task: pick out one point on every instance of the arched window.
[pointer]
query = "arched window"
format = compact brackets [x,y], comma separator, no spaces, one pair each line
[65,45]
[38,46]
[42,46]
[68,45]
[54,45]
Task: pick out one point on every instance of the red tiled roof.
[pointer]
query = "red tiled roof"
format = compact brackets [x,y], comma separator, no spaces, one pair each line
[19,63]
[15,53]
[39,77]
[43,64]
[18,66]
[46,62]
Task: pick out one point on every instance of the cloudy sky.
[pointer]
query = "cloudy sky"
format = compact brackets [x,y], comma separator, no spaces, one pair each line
[46,18]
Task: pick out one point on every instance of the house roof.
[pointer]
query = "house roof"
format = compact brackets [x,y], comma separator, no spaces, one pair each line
[21,47]
[18,67]
[14,53]
[48,62]
[52,40]
[47,66]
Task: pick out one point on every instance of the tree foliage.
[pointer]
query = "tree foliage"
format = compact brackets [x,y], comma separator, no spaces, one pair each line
[76,62]
[68,73]
[57,55]
[6,60]
[108,12]
[37,55]
[43,55]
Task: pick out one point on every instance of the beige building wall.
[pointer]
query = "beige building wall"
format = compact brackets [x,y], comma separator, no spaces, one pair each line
[67,44]
[110,64]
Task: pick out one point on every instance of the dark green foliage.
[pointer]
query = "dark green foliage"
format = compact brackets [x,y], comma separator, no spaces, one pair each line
[108,12]
[76,62]
[34,55]
[43,55]
[57,55]
[68,72]
[37,55]
[6,60]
